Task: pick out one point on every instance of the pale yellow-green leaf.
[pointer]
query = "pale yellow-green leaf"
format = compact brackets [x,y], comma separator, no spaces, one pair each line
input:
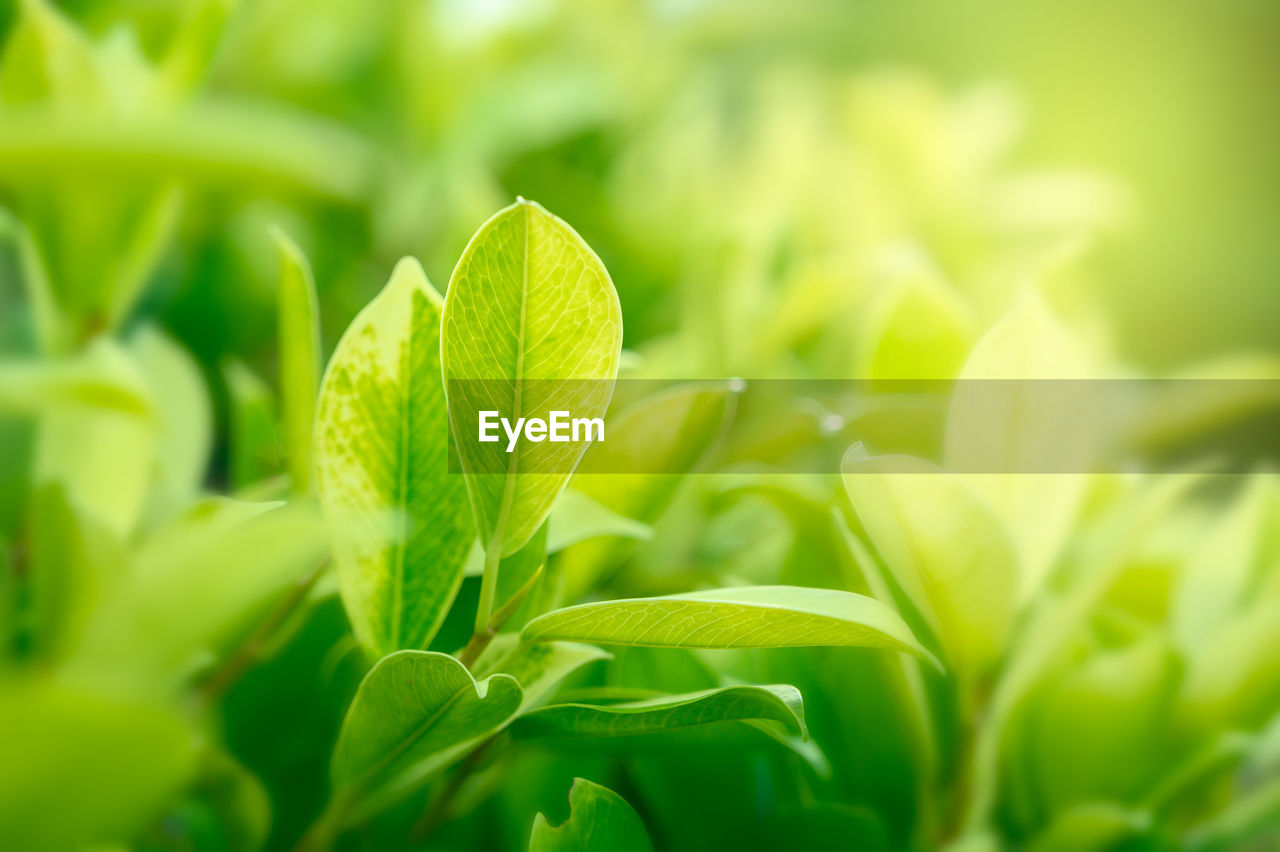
[400,522]
[919,328]
[299,341]
[944,547]
[1023,428]
[82,767]
[183,420]
[531,324]
[746,617]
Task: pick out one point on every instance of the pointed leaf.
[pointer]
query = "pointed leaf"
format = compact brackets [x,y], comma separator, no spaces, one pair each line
[747,617]
[531,324]
[401,525]
[299,341]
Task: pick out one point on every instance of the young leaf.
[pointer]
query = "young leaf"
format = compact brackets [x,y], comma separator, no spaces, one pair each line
[414,713]
[599,821]
[381,453]
[779,703]
[747,617]
[528,301]
[299,336]
[539,667]
[945,548]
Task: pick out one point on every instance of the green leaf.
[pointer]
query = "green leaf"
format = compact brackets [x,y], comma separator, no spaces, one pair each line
[945,548]
[81,767]
[599,821]
[183,420]
[747,617]
[539,667]
[576,518]
[1096,826]
[531,324]
[414,714]
[401,529]
[775,703]
[103,377]
[1010,417]
[201,583]
[674,431]
[919,328]
[299,340]
[254,452]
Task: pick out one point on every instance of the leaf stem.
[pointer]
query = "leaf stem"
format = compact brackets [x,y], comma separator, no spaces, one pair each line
[483,636]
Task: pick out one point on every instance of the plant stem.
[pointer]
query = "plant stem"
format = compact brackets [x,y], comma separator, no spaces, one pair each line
[488,584]
[484,635]
[245,655]
[438,811]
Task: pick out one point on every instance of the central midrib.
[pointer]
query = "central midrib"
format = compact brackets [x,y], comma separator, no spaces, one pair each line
[517,401]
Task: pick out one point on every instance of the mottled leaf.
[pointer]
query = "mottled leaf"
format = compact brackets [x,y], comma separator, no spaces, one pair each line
[401,525]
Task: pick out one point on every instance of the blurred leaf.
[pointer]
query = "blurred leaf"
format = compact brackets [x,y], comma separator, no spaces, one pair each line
[299,341]
[670,431]
[80,767]
[944,547]
[47,58]
[254,452]
[1093,826]
[528,301]
[600,821]
[747,617]
[669,712]
[1098,731]
[1251,822]
[199,583]
[102,377]
[1222,569]
[1233,680]
[575,517]
[399,518]
[414,714]
[70,559]
[183,417]
[919,328]
[1023,427]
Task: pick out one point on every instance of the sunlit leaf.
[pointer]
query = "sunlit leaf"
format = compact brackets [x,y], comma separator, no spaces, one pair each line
[401,528]
[747,617]
[531,324]
[944,547]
